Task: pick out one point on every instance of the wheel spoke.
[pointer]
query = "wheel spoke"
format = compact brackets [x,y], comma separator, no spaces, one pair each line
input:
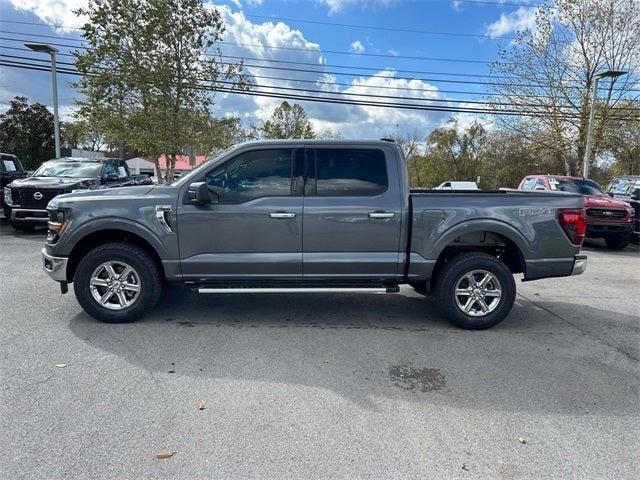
[110,271]
[131,287]
[105,297]
[122,299]
[483,283]
[468,305]
[126,272]
[463,291]
[472,280]
[493,293]
[483,305]
[99,282]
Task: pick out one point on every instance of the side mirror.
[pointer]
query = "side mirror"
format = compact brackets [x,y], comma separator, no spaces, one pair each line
[198,193]
[636,194]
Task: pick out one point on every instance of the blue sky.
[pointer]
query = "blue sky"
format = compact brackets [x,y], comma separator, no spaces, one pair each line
[272,39]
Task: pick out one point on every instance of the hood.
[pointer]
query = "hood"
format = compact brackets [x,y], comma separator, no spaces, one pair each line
[120,193]
[54,182]
[603,201]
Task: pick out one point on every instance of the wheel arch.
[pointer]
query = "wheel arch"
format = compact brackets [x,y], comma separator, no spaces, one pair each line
[99,237]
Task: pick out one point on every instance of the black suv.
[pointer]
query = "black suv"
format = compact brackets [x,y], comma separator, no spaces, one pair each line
[10,170]
[26,199]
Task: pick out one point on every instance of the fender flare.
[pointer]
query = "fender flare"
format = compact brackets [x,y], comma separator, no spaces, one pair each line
[483,225]
[115,223]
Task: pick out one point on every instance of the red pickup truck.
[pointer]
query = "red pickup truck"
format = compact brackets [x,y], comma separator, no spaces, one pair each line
[607,218]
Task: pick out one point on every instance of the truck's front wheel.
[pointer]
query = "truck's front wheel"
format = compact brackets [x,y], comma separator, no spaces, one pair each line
[117,282]
[475,290]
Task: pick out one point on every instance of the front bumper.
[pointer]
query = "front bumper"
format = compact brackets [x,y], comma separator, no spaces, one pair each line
[579,265]
[29,215]
[55,267]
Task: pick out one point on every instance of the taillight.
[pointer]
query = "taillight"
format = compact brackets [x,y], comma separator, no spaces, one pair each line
[574,224]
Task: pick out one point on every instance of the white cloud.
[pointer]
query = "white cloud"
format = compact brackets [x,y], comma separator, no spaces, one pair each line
[357,47]
[351,121]
[393,52]
[524,18]
[56,12]
[336,6]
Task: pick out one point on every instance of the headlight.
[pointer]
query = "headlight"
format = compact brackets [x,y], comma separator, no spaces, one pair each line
[58,223]
[8,198]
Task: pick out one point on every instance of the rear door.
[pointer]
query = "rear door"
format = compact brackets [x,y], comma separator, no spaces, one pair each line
[254,231]
[352,214]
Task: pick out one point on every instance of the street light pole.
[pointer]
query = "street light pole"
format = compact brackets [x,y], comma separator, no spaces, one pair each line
[44,48]
[592,113]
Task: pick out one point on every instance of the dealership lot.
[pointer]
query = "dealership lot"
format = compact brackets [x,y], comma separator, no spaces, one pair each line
[321,385]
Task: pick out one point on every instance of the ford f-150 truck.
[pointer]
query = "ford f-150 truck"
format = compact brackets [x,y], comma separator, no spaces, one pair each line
[25,200]
[309,216]
[607,217]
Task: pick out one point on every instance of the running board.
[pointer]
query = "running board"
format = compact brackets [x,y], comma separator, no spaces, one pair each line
[389,289]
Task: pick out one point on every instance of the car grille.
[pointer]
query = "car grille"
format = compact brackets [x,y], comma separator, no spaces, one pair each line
[27,199]
[605,213]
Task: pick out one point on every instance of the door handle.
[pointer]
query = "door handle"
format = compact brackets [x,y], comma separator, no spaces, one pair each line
[381,214]
[282,215]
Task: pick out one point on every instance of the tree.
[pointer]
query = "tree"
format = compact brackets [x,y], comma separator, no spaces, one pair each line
[461,151]
[548,72]
[412,145]
[26,130]
[149,74]
[288,121]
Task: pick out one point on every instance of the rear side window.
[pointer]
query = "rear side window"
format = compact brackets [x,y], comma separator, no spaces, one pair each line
[8,164]
[350,172]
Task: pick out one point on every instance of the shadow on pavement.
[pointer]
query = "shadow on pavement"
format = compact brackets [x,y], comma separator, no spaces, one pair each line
[367,347]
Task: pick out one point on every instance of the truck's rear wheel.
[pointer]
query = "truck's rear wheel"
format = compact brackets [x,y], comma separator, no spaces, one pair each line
[117,282]
[475,290]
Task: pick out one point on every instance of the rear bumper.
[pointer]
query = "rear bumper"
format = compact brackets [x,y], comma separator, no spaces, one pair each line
[579,265]
[554,267]
[55,267]
[29,215]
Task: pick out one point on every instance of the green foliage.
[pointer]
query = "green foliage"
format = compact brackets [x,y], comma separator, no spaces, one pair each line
[288,121]
[26,130]
[149,75]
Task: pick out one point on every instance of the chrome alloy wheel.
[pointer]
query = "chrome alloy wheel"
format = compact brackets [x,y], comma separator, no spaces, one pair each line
[115,285]
[478,293]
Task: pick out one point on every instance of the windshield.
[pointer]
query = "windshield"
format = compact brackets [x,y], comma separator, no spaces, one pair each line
[61,168]
[624,185]
[575,185]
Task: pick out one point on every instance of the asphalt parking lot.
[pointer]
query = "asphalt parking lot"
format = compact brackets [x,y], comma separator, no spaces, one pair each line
[321,386]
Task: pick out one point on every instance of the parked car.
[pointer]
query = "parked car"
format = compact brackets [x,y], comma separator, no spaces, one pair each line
[457,186]
[10,170]
[607,218]
[627,188]
[25,200]
[235,224]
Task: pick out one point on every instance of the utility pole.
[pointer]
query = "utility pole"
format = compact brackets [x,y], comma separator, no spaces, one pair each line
[592,113]
[44,48]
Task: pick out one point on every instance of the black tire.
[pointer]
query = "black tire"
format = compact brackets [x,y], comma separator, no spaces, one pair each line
[420,287]
[145,267]
[619,242]
[23,227]
[454,270]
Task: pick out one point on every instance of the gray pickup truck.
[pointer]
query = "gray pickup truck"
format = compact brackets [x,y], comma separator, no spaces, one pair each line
[309,216]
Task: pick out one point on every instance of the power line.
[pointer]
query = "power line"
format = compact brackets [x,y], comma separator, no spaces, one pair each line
[326,99]
[435,80]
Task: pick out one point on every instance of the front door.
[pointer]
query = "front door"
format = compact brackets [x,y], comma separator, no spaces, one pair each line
[352,214]
[253,228]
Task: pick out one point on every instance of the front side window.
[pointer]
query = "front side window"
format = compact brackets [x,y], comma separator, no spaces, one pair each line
[251,175]
[529,183]
[350,172]
[109,169]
